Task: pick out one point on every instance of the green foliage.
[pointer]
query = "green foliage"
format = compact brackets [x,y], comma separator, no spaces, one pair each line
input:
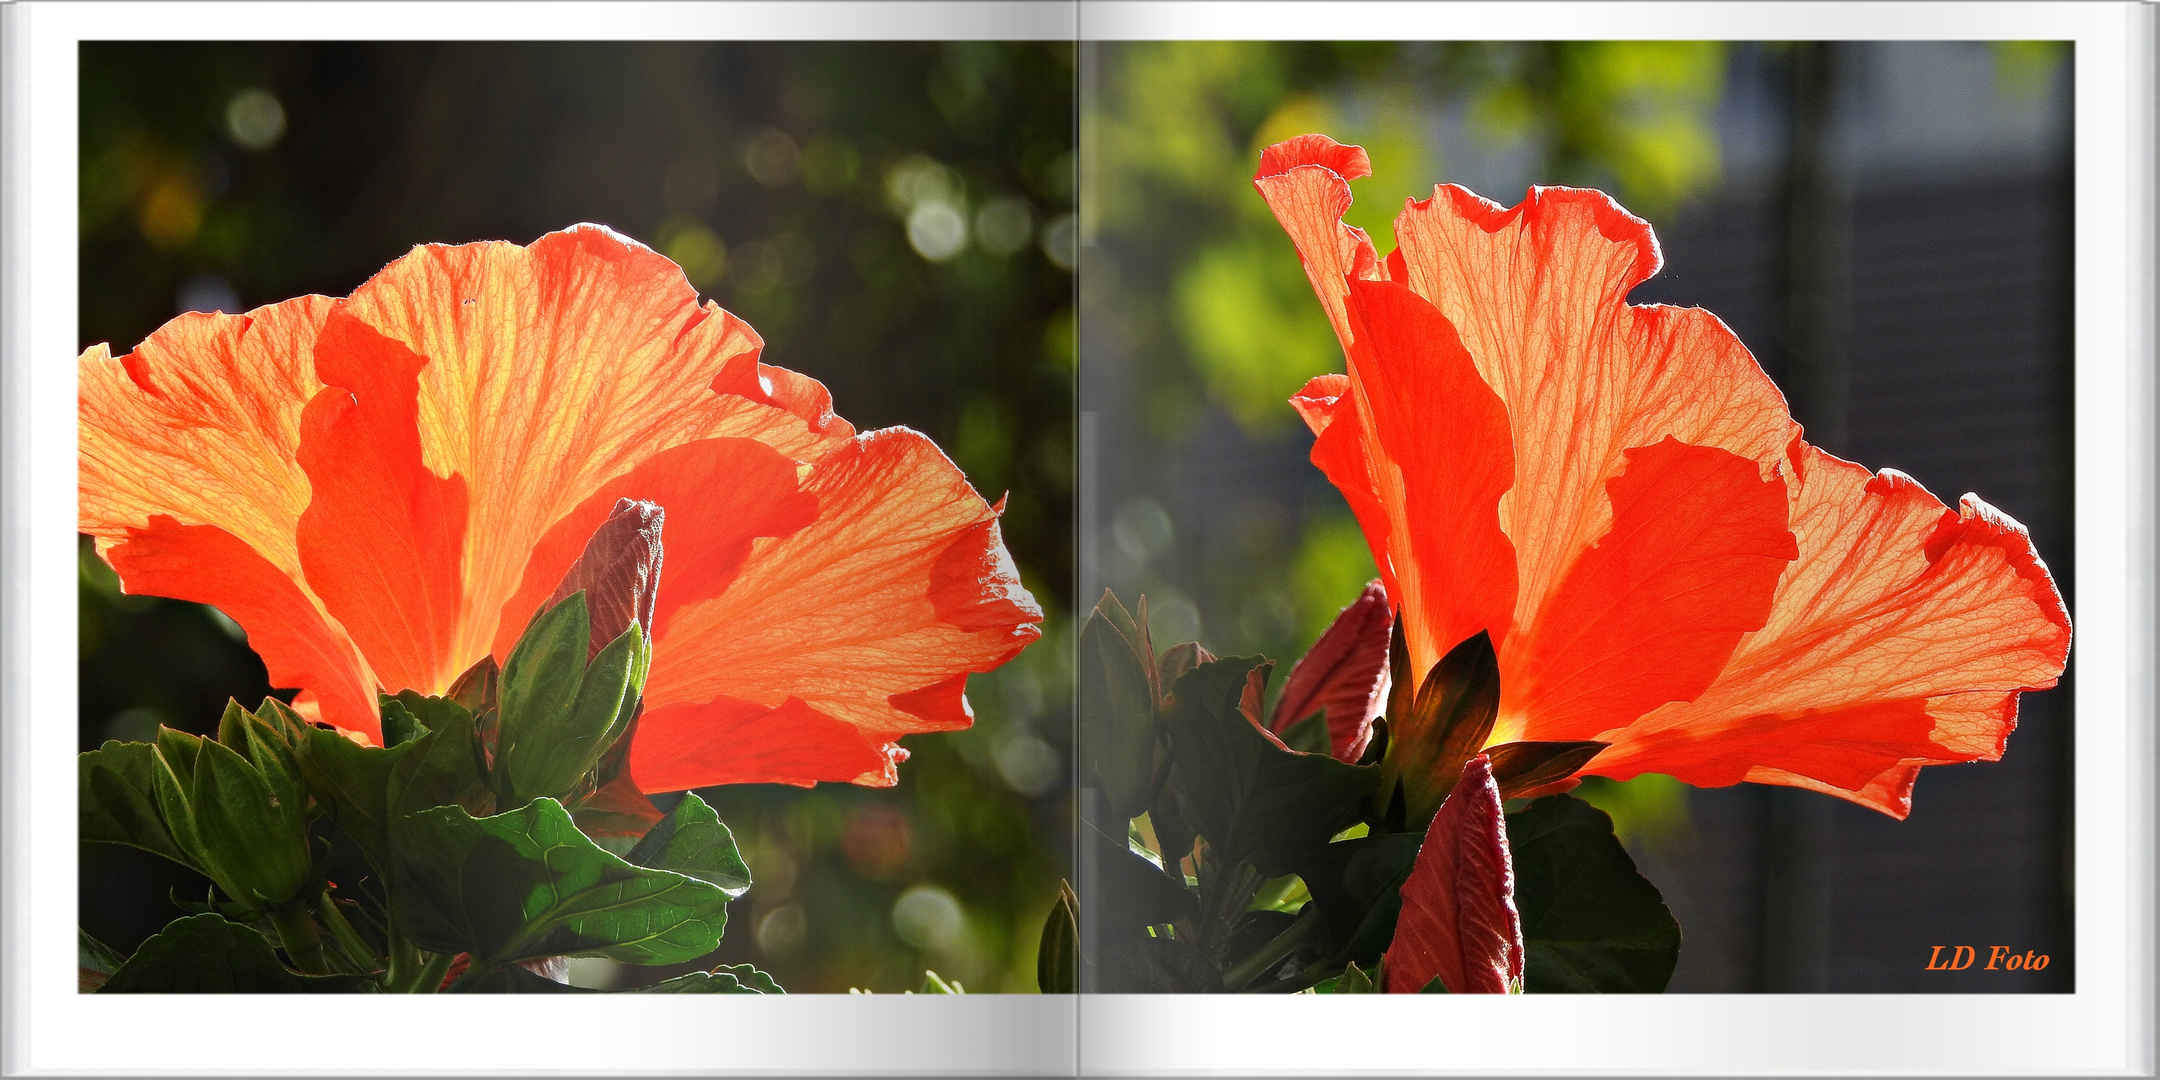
[1118,702]
[561,715]
[1591,922]
[1057,959]
[1297,861]
[207,954]
[527,884]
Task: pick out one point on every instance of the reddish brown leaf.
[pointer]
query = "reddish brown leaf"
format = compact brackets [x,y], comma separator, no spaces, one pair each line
[1345,673]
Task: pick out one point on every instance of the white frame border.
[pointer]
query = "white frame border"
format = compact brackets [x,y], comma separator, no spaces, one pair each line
[2106,1026]
[48,1028]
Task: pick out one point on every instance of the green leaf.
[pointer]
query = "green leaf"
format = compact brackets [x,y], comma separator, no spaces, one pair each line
[1520,767]
[1435,987]
[727,979]
[366,787]
[118,804]
[1248,795]
[352,783]
[207,954]
[1591,922]
[691,841]
[1131,891]
[1357,885]
[1117,707]
[528,884]
[248,837]
[1354,980]
[1309,736]
[1057,958]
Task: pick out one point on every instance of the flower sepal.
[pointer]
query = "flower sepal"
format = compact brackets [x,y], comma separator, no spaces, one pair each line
[559,715]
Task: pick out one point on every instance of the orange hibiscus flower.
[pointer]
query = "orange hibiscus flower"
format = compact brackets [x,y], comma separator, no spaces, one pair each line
[383,489]
[1618,495]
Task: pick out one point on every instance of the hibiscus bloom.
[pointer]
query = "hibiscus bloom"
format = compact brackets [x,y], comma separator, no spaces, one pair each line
[383,489]
[1618,496]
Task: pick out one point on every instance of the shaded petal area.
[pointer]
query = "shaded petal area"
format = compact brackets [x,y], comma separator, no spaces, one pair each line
[732,741]
[297,643]
[380,538]
[1652,611]
[1438,459]
[872,614]
[1900,637]
[1458,921]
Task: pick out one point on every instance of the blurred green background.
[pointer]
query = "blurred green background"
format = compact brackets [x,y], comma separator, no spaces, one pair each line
[895,220]
[1885,225]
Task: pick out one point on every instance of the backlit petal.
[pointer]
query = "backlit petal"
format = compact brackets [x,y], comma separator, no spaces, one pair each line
[550,368]
[1923,620]
[1538,295]
[872,613]
[1306,182]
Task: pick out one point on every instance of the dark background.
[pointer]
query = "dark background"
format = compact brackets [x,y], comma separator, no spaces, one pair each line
[1885,225]
[817,190]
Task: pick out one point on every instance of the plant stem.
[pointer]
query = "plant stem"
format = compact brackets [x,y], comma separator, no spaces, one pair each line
[303,942]
[348,939]
[1267,956]
[429,979]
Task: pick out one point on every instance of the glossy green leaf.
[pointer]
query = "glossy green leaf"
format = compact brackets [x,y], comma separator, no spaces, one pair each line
[560,715]
[1591,922]
[528,884]
[1057,958]
[208,954]
[727,979]
[1117,708]
[1251,798]
[690,840]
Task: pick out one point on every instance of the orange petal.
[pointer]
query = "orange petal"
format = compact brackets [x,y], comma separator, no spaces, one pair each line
[1538,294]
[1924,620]
[898,586]
[552,368]
[201,423]
[380,538]
[207,565]
[732,741]
[1438,458]
[1306,182]
[718,494]
[1652,611]
[1458,921]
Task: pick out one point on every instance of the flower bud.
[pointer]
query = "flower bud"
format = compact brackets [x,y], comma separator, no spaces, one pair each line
[239,814]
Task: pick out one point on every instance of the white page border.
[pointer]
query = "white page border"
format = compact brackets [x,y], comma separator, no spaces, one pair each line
[2106,1026]
[48,1028]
